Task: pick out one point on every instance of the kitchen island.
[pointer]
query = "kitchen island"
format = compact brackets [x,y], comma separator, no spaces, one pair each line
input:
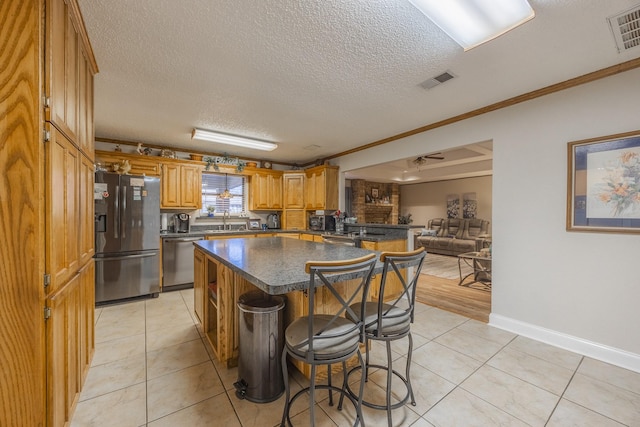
[226,269]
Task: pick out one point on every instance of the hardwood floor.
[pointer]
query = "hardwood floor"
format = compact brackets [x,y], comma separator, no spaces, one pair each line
[445,293]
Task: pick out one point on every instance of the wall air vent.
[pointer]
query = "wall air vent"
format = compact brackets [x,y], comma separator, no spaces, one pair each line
[435,81]
[626,29]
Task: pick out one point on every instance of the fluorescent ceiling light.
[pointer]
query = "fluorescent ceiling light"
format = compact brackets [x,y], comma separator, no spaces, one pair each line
[239,141]
[473,22]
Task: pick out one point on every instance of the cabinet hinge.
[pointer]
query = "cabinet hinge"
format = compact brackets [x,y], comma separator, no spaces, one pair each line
[46,135]
[47,313]
[47,280]
[45,101]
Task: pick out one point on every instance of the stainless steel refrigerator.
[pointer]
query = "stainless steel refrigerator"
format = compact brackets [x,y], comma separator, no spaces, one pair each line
[127,236]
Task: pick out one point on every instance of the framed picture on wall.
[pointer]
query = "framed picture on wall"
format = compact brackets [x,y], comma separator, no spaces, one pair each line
[453,206]
[374,193]
[603,184]
[253,224]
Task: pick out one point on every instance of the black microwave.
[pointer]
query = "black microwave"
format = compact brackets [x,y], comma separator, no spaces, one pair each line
[322,223]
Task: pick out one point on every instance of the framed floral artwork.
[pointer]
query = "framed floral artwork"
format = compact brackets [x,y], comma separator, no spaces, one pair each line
[603,192]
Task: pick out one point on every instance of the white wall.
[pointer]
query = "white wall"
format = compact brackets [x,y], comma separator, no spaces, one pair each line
[577,290]
[429,200]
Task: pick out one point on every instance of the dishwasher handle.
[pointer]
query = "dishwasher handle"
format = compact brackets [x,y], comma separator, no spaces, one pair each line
[183,239]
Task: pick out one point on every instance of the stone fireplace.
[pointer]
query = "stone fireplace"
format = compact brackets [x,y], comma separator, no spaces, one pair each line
[375,202]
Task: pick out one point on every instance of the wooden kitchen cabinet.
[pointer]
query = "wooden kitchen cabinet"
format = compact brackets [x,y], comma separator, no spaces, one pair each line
[218,302]
[321,188]
[293,190]
[140,165]
[87,317]
[181,186]
[86,178]
[63,350]
[294,219]
[61,67]
[47,292]
[266,190]
[393,286]
[63,211]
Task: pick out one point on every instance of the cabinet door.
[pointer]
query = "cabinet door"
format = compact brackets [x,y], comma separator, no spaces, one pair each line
[310,191]
[87,317]
[86,223]
[62,200]
[294,191]
[63,343]
[85,104]
[170,184]
[190,187]
[275,194]
[320,190]
[61,68]
[294,220]
[266,191]
[259,191]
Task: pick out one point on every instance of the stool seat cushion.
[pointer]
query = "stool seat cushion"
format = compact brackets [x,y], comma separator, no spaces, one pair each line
[341,337]
[395,320]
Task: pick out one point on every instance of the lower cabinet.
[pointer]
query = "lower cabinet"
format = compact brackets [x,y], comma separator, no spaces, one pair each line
[87,317]
[63,343]
[70,343]
[394,285]
[216,290]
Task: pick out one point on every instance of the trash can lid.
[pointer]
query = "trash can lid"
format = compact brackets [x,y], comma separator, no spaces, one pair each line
[260,302]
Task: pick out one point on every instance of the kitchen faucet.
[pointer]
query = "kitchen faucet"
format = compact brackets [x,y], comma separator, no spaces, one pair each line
[224,219]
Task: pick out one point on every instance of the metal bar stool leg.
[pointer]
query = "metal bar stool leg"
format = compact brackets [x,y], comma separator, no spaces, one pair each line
[285,375]
[408,375]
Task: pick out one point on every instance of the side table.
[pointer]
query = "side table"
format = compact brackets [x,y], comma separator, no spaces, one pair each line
[481,265]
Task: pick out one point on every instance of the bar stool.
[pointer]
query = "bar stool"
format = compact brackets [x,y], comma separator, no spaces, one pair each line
[390,321]
[324,339]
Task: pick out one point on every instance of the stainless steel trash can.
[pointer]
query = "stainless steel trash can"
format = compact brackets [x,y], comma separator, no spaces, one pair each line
[261,341]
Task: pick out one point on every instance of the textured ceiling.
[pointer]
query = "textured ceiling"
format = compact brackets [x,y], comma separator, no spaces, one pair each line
[318,77]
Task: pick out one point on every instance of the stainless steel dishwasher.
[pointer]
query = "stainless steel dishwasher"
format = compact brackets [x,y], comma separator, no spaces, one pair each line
[177,262]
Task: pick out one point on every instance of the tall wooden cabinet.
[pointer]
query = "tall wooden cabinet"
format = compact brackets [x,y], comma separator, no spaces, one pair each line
[46,155]
[293,216]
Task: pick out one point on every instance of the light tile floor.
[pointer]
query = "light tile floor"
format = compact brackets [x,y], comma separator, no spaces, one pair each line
[152,368]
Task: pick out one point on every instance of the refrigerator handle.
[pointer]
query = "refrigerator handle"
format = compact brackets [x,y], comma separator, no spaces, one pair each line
[124,209]
[116,217]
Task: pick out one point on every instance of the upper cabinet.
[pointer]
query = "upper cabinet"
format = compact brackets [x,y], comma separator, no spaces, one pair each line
[321,190]
[181,186]
[266,190]
[69,69]
[293,190]
[140,165]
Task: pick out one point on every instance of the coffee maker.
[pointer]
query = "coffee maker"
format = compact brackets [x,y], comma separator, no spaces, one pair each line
[273,221]
[181,223]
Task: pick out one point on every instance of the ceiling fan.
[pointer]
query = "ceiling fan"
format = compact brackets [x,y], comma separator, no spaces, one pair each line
[421,160]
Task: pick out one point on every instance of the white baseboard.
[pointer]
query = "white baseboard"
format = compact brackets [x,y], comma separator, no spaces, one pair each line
[612,355]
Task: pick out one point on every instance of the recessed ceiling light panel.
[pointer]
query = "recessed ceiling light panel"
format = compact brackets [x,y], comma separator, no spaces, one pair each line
[473,22]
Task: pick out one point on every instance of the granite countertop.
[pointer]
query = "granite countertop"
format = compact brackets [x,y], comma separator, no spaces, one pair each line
[276,264]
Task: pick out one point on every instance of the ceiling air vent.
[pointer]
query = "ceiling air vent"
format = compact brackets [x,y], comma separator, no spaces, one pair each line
[626,29]
[435,81]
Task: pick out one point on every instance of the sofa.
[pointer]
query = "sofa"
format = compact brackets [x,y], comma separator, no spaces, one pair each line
[454,236]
